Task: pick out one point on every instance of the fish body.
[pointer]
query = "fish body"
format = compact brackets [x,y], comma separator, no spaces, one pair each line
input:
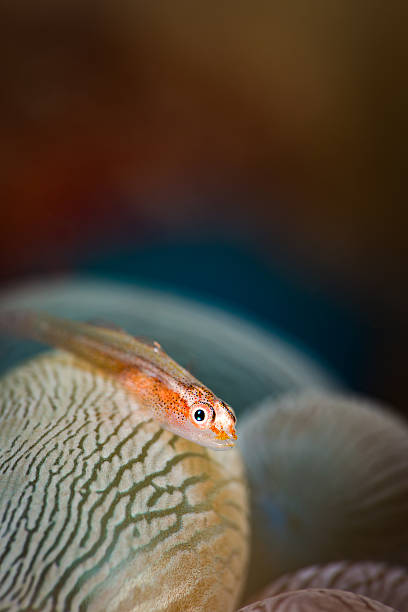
[176,399]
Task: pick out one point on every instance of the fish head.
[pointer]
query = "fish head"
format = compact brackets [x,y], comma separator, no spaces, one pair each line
[211,421]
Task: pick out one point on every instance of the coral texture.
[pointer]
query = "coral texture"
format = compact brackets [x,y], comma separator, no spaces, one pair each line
[317,600]
[387,584]
[101,509]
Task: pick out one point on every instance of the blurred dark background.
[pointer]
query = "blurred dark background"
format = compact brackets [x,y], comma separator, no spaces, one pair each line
[251,154]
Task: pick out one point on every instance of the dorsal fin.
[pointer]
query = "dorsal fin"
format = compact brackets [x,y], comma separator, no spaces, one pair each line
[98,322]
[150,343]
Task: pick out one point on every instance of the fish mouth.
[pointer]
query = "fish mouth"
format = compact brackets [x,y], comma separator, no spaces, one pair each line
[224,441]
[223,447]
[224,436]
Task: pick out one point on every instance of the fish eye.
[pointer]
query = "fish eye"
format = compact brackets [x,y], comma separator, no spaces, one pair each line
[199,415]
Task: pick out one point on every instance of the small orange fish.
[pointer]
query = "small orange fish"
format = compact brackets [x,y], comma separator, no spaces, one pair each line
[176,399]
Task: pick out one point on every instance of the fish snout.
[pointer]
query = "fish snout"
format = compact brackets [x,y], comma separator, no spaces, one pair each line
[226,440]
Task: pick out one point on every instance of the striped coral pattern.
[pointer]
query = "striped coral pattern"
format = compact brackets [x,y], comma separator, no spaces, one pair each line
[101,509]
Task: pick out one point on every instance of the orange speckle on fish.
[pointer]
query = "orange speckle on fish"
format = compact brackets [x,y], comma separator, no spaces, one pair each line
[222,435]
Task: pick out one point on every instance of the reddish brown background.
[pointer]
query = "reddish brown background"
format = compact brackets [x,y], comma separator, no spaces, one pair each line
[124,122]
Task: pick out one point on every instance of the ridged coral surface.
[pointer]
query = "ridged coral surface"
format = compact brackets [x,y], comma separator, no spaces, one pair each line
[317,600]
[101,509]
[385,583]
